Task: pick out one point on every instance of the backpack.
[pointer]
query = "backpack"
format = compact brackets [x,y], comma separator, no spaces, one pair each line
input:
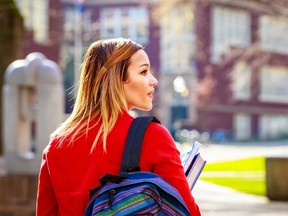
[133,192]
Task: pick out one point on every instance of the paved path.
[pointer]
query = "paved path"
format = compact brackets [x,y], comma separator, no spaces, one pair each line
[215,200]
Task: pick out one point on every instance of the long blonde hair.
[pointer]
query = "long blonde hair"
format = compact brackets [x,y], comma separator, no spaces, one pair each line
[100,94]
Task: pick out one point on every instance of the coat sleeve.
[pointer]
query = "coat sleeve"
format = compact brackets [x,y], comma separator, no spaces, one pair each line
[46,203]
[163,158]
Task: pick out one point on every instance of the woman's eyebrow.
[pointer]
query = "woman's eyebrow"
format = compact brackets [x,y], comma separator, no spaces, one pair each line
[142,65]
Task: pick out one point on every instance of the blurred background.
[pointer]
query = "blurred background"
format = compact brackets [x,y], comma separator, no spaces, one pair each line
[222,65]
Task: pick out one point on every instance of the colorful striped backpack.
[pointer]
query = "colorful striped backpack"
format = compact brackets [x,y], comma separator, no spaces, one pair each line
[133,192]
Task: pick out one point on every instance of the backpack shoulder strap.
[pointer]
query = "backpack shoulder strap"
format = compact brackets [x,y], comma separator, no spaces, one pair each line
[132,150]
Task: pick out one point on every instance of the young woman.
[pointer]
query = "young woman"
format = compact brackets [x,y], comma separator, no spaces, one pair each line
[115,78]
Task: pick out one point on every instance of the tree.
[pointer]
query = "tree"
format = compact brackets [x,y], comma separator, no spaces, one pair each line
[11,43]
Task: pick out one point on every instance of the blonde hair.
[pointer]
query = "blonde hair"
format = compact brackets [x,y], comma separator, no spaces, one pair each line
[100,94]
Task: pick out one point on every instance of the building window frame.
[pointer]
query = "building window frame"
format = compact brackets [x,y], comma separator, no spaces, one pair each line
[177,41]
[273,84]
[241,81]
[242,126]
[273,126]
[272,31]
[129,22]
[229,27]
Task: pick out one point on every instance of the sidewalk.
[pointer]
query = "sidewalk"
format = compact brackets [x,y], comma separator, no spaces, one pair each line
[215,200]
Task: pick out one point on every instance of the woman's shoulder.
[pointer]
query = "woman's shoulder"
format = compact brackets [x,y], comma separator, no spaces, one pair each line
[53,144]
[158,131]
[157,127]
[158,143]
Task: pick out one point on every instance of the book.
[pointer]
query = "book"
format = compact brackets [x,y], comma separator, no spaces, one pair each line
[193,164]
[194,171]
[188,156]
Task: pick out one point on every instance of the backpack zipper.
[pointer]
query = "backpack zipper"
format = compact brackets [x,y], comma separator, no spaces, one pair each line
[111,196]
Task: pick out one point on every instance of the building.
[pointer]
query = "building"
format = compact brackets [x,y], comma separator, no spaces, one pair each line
[242,70]
[222,64]
[178,73]
[63,29]
[43,27]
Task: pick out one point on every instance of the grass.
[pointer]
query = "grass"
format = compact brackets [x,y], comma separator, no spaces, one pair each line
[245,175]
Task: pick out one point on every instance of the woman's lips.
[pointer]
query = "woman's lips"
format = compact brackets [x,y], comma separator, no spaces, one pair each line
[150,94]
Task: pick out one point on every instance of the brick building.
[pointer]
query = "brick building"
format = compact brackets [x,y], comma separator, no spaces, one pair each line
[221,64]
[242,50]
[43,27]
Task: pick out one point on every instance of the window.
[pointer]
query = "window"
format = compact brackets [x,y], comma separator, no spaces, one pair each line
[242,126]
[26,7]
[130,22]
[273,84]
[273,34]
[230,27]
[36,18]
[87,22]
[177,41]
[241,81]
[273,126]
[41,20]
[69,24]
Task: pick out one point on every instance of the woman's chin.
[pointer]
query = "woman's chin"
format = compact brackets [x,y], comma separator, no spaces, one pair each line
[146,108]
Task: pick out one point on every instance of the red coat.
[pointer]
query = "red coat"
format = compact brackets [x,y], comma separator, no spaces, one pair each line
[69,172]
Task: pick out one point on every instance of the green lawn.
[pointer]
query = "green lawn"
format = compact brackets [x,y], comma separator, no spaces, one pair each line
[246,175]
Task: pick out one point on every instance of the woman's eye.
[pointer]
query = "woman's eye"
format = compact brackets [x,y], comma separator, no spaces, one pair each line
[144,72]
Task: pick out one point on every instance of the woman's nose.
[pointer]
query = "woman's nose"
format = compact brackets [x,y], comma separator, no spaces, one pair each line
[153,81]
